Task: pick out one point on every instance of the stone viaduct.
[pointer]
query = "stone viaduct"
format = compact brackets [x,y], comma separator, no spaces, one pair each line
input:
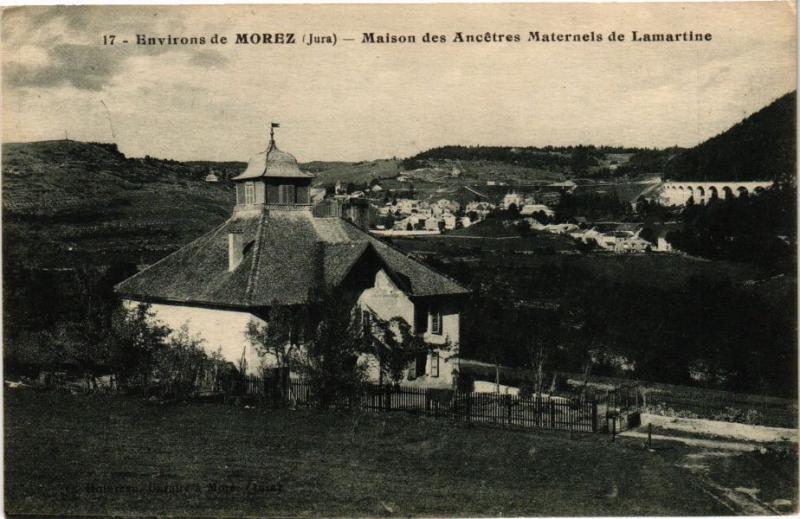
[679,192]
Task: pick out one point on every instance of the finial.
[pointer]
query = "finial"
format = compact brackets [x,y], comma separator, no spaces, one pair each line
[272,127]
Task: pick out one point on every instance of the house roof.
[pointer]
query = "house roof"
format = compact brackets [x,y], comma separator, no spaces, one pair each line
[535,208]
[273,163]
[288,257]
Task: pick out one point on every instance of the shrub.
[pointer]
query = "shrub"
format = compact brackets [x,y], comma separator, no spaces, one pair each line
[182,366]
[527,390]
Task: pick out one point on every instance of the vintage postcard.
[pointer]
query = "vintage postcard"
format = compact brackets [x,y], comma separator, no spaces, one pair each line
[400,260]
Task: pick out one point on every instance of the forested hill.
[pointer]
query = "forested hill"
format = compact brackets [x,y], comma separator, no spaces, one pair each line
[762,146]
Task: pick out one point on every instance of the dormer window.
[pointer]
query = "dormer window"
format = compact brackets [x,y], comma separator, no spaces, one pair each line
[249,193]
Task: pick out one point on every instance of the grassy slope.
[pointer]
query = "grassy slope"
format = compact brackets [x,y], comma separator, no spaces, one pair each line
[328,173]
[58,444]
[102,205]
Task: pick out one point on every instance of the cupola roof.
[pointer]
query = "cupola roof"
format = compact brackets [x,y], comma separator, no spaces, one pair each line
[273,163]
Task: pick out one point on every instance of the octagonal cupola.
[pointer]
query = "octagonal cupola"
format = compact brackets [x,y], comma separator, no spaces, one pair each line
[273,178]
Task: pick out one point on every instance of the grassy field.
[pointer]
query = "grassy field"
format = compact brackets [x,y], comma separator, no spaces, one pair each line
[104,455]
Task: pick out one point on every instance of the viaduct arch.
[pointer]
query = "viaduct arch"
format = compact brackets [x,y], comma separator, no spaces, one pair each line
[678,193]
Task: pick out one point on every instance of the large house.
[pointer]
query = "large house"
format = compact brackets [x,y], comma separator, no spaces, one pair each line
[273,251]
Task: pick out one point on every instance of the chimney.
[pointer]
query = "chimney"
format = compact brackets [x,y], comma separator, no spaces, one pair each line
[235,249]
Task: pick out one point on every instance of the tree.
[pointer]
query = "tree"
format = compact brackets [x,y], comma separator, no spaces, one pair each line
[581,160]
[182,365]
[396,347]
[133,342]
[328,359]
[279,338]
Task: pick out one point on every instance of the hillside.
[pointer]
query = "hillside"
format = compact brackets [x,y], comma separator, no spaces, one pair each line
[68,203]
[329,173]
[762,146]
[527,164]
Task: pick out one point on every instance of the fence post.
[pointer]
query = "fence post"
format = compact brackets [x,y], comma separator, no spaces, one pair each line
[508,407]
[552,414]
[469,406]
[650,435]
[594,416]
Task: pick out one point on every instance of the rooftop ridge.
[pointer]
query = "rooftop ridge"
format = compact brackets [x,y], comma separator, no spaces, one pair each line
[432,269]
[252,279]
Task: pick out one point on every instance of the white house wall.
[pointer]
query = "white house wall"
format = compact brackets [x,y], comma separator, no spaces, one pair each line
[221,330]
[387,301]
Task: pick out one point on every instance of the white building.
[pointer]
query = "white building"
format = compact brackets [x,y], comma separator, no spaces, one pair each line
[532,209]
[273,252]
[512,198]
[407,205]
[480,208]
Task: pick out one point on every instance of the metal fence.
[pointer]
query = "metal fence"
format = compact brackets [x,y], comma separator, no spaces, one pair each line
[505,410]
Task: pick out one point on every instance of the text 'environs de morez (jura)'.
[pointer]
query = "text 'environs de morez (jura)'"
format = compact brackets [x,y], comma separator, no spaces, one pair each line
[387,38]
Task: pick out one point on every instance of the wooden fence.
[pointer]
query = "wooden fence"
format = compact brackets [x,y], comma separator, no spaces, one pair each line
[488,408]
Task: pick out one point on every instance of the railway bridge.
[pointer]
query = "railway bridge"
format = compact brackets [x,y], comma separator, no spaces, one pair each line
[678,193]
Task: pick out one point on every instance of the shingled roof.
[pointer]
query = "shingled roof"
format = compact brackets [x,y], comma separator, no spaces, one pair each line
[273,163]
[288,257]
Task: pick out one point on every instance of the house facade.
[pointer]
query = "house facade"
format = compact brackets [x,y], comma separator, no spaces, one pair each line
[273,251]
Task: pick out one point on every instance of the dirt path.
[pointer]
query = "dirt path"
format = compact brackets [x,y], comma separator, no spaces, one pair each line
[703,457]
[694,442]
[741,501]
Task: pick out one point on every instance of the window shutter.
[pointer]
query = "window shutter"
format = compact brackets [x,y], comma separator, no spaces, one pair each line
[273,194]
[435,364]
[260,194]
[436,321]
[286,194]
[249,193]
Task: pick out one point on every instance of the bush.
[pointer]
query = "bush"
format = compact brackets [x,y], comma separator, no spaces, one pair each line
[182,367]
[465,382]
[527,390]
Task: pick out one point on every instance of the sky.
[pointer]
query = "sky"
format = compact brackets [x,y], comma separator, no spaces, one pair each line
[356,101]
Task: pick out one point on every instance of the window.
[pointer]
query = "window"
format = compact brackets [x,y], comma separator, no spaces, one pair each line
[286,194]
[436,321]
[249,193]
[435,364]
[420,319]
[422,361]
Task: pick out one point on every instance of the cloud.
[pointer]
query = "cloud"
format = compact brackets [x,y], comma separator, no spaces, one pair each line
[57,46]
[84,67]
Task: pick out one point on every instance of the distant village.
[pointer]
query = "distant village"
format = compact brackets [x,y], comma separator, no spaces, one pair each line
[438,201]
[431,202]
